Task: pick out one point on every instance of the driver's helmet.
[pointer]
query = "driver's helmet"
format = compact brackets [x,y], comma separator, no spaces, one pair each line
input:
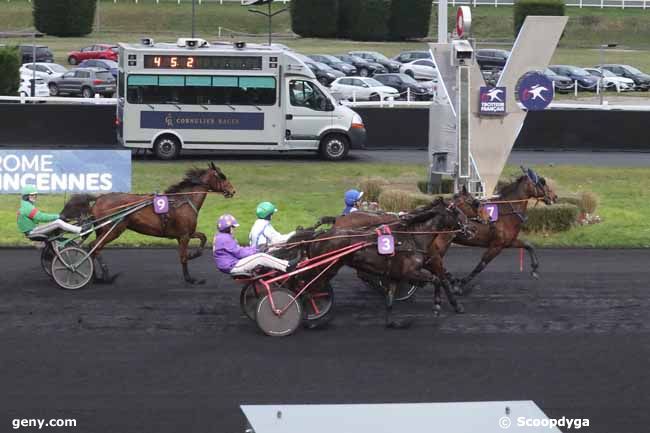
[28,190]
[352,196]
[226,221]
[265,209]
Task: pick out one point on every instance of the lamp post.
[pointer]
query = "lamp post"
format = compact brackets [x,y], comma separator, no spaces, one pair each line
[268,14]
[193,17]
[602,62]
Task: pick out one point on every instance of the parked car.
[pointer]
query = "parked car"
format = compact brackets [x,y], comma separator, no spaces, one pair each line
[561,83]
[404,83]
[364,67]
[641,79]
[43,54]
[584,79]
[491,76]
[324,74]
[491,58]
[376,57]
[335,63]
[46,71]
[611,80]
[422,69]
[25,88]
[85,82]
[97,51]
[109,65]
[409,56]
[362,88]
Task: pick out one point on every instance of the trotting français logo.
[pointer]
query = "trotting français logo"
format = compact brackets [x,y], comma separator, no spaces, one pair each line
[535,91]
[492,101]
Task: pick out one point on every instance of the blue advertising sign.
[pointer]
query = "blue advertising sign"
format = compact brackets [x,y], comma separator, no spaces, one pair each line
[535,91]
[492,101]
[55,171]
[201,120]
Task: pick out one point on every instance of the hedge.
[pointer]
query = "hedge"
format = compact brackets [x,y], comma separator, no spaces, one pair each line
[315,18]
[523,8]
[9,70]
[409,19]
[64,17]
[554,218]
[394,200]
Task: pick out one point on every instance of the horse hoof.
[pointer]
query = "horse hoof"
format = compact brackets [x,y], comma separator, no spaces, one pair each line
[399,324]
[459,309]
[457,290]
[437,309]
[535,275]
[200,282]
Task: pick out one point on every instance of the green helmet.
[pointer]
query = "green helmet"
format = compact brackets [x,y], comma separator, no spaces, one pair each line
[265,209]
[28,189]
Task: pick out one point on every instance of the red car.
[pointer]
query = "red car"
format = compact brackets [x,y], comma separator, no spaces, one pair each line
[98,51]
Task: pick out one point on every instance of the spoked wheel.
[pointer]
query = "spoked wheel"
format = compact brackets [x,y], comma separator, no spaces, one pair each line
[282,322]
[249,297]
[405,289]
[317,305]
[47,255]
[75,271]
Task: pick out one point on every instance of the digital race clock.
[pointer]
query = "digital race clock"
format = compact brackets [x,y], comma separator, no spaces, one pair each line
[202,62]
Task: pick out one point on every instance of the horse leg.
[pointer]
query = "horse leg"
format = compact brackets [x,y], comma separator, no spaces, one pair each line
[390,300]
[490,254]
[199,250]
[534,261]
[103,237]
[183,243]
[437,268]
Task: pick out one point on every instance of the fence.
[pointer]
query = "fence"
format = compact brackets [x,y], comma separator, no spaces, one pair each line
[621,4]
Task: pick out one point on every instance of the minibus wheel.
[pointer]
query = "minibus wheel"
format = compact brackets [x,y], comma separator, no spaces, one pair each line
[334,147]
[167,147]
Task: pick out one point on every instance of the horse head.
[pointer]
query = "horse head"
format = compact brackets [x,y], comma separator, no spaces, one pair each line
[470,205]
[537,187]
[217,181]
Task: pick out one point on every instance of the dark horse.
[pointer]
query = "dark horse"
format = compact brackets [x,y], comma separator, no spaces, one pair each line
[413,233]
[185,201]
[463,201]
[503,233]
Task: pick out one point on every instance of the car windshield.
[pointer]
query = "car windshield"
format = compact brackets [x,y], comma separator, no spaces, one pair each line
[607,73]
[357,59]
[579,72]
[332,59]
[109,63]
[547,71]
[372,82]
[57,68]
[632,69]
[407,79]
[377,55]
[41,50]
[115,49]
[104,75]
[324,67]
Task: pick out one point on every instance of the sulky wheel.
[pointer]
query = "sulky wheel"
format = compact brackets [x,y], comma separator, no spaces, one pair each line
[282,322]
[47,255]
[317,304]
[72,269]
[249,297]
[405,289]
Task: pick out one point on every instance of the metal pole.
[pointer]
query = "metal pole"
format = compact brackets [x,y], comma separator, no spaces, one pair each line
[442,21]
[602,62]
[270,28]
[32,88]
[193,16]
[98,29]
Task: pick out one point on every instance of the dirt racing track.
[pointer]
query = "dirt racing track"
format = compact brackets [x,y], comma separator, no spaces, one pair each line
[153,354]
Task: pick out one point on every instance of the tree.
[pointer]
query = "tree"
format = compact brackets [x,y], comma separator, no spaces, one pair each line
[9,70]
[64,17]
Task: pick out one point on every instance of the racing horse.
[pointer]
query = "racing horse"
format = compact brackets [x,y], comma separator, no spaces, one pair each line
[463,201]
[412,233]
[512,203]
[185,201]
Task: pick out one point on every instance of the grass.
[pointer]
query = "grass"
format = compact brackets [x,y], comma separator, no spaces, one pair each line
[306,191]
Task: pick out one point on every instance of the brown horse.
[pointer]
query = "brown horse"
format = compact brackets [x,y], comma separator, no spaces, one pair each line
[413,234]
[512,204]
[463,201]
[185,201]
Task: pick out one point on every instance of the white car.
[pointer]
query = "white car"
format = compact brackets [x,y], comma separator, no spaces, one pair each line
[361,88]
[611,80]
[421,69]
[41,90]
[46,71]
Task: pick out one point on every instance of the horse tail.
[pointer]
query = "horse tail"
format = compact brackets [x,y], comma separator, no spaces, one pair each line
[78,207]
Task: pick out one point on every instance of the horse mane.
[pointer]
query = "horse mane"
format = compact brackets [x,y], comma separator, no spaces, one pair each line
[422,213]
[192,178]
[511,188]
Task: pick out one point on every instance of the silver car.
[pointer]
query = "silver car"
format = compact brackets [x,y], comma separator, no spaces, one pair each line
[86,82]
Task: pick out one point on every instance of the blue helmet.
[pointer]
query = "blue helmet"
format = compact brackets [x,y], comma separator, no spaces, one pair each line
[352,196]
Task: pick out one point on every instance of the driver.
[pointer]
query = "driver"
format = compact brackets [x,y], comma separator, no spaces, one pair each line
[232,258]
[262,233]
[28,216]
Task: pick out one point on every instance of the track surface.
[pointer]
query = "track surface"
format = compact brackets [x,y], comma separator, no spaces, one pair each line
[152,354]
